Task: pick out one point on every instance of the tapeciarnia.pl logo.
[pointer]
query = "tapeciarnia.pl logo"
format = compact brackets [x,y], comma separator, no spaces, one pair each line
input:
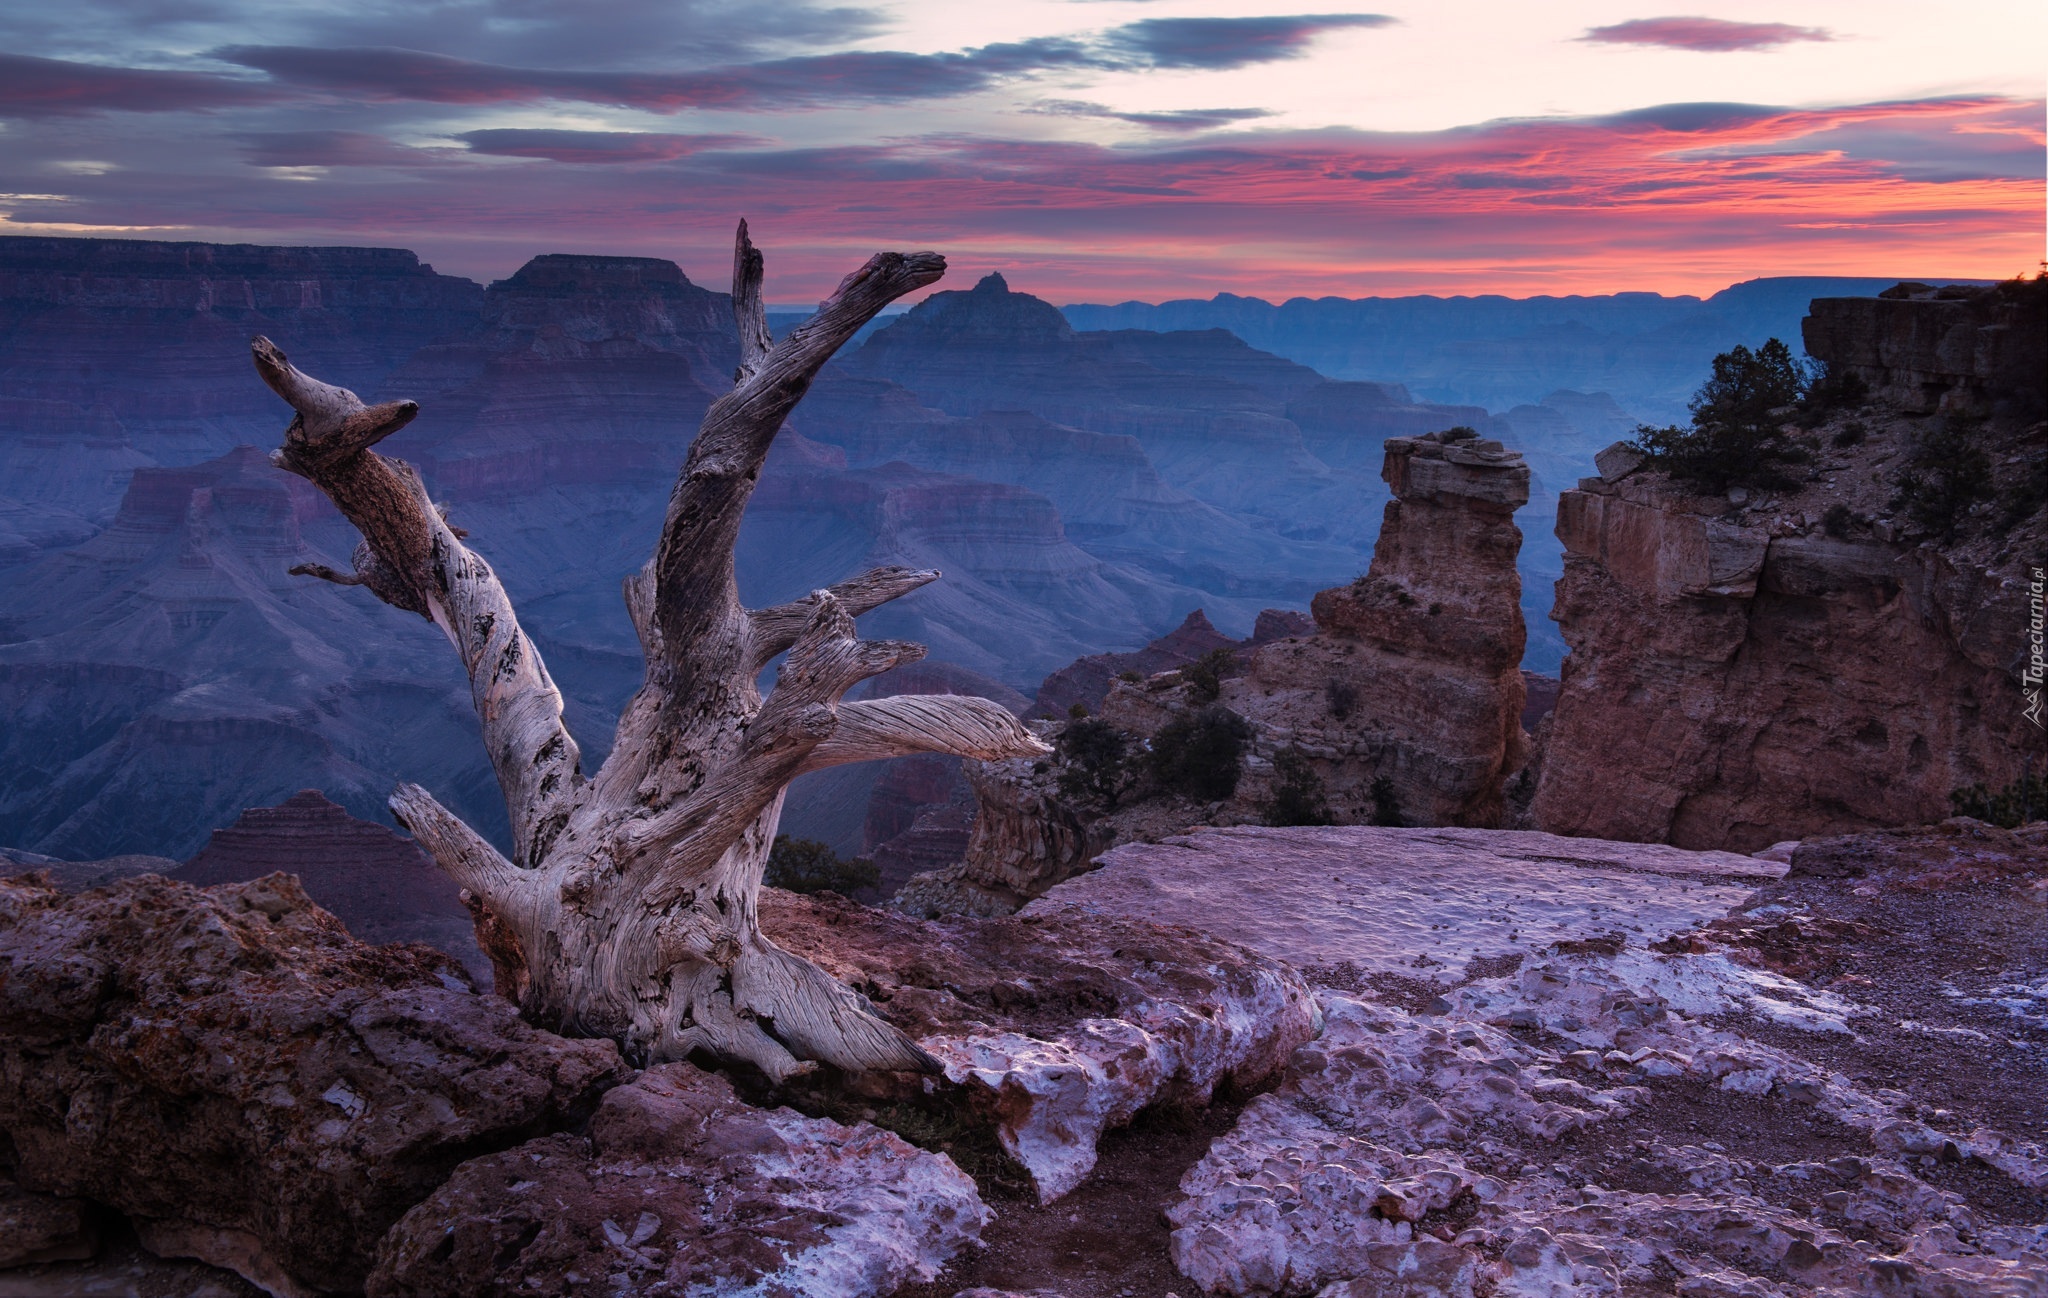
[2037,662]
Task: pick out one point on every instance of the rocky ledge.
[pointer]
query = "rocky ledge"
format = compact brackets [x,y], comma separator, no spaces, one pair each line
[225,1074]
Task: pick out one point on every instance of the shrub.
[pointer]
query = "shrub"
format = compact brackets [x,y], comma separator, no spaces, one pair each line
[1737,438]
[1206,673]
[1298,797]
[1386,809]
[1836,521]
[1831,388]
[1944,475]
[1197,755]
[2014,805]
[1094,758]
[1342,696]
[1077,710]
[808,866]
[1129,677]
[1850,434]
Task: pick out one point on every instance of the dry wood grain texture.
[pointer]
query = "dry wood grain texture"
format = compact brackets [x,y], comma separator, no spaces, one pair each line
[628,906]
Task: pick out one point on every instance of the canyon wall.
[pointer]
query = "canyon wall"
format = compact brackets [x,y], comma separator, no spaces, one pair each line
[1769,665]
[1648,350]
[1956,348]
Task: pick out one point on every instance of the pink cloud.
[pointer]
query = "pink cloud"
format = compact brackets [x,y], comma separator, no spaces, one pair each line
[1678,198]
[1704,35]
[35,87]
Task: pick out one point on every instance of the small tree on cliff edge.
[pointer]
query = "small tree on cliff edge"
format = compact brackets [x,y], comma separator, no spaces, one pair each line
[1737,438]
[627,907]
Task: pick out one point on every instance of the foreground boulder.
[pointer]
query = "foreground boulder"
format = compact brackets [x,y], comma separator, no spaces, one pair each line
[680,1188]
[249,1084]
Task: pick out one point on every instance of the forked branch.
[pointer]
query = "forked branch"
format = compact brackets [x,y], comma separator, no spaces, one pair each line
[412,559]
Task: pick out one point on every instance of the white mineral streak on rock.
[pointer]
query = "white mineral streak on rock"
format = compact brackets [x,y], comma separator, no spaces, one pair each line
[1414,1155]
[1056,1098]
[1414,901]
[907,1212]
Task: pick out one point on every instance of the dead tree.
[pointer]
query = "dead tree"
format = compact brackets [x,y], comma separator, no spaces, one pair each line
[628,907]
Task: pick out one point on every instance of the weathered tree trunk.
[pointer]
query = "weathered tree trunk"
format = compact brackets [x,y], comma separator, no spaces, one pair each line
[627,909]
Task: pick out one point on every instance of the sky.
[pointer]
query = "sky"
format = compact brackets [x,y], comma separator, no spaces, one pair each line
[1091,150]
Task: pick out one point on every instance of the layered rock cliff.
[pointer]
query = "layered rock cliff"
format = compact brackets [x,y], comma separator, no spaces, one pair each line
[1959,348]
[1841,654]
[1405,690]
[119,352]
[167,673]
[1414,674]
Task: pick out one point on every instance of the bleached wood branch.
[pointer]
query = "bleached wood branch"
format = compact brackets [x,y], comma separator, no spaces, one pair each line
[963,725]
[776,629]
[412,559]
[694,598]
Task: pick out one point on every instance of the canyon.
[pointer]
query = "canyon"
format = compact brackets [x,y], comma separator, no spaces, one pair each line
[1082,491]
[1642,348]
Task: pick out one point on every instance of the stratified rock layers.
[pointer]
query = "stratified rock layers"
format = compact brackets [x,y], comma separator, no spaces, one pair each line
[377,881]
[1428,643]
[1771,665]
[1730,689]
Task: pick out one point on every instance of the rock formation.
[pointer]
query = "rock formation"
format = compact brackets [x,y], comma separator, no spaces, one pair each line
[1087,681]
[1565,1066]
[1427,645]
[1409,688]
[121,352]
[678,1188]
[1647,349]
[1772,665]
[249,1085]
[77,876]
[377,882]
[1025,836]
[1057,1029]
[170,672]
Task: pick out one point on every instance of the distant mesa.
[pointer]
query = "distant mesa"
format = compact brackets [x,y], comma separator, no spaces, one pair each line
[378,882]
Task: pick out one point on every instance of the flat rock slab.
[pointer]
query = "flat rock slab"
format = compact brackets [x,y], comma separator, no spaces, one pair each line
[1420,902]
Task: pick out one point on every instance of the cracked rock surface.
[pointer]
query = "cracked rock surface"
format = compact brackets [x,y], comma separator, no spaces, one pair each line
[1065,1026]
[1702,1113]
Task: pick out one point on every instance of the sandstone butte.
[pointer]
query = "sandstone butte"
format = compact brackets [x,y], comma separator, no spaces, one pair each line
[1410,676]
